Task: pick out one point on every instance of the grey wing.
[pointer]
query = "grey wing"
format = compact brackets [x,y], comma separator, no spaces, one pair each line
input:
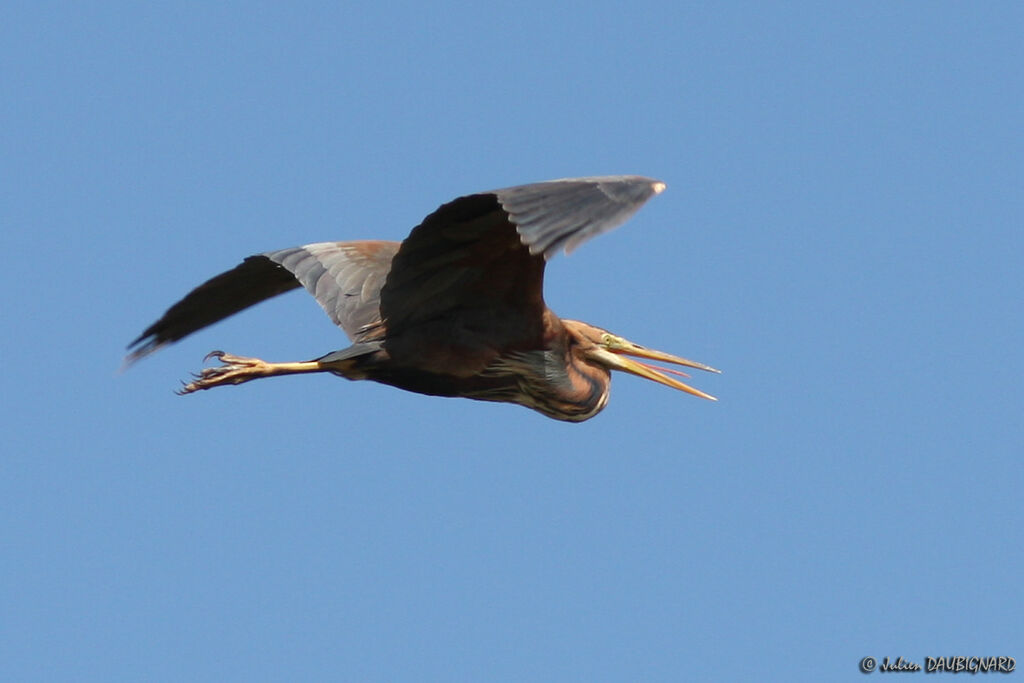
[345,278]
[562,214]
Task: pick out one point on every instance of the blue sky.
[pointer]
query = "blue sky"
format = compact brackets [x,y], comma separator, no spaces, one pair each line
[841,234]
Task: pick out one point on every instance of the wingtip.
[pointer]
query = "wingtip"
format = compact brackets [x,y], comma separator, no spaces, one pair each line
[141,352]
[127,362]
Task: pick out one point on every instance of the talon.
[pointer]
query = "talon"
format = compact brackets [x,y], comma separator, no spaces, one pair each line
[233,370]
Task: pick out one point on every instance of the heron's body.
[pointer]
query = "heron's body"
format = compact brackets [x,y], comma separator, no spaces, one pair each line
[457,309]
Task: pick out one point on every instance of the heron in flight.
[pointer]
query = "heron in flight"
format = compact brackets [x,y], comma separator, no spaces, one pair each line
[457,309]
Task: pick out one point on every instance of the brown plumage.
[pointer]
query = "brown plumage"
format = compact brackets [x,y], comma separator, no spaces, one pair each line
[457,309]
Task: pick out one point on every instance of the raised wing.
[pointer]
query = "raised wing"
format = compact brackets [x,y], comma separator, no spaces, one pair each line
[563,214]
[480,258]
[345,278]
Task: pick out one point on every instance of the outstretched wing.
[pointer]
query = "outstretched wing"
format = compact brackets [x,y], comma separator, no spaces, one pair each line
[345,278]
[480,258]
[475,266]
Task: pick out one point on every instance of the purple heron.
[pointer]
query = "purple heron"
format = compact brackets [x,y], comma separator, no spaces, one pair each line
[457,309]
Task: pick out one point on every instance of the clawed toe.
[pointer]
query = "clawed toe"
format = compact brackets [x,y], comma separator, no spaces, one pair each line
[234,370]
[219,355]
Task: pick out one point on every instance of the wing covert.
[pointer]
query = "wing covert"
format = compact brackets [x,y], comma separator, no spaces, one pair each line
[344,277]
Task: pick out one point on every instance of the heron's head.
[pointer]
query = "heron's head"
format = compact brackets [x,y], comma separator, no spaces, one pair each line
[611,352]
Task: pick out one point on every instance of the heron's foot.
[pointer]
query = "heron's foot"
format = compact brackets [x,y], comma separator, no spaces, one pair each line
[235,370]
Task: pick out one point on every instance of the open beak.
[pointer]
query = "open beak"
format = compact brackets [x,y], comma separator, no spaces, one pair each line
[612,352]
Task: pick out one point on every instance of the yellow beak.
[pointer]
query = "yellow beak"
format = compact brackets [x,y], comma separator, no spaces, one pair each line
[612,353]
